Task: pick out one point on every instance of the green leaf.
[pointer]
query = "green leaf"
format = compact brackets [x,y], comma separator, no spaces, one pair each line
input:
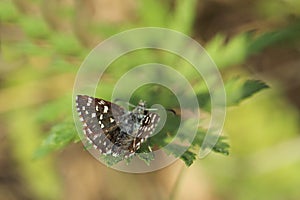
[153,13]
[251,87]
[8,12]
[204,101]
[67,44]
[53,110]
[146,157]
[184,15]
[288,34]
[238,89]
[232,53]
[188,158]
[35,27]
[220,147]
[60,136]
[111,160]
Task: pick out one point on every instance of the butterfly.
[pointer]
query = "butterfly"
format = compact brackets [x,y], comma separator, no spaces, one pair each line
[113,130]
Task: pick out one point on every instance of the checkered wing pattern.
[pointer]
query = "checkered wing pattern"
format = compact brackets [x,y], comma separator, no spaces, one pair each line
[113,130]
[148,125]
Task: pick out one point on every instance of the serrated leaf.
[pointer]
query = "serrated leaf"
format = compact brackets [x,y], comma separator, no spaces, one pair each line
[238,90]
[188,157]
[146,157]
[220,147]
[111,160]
[250,87]
[290,33]
[231,53]
[59,136]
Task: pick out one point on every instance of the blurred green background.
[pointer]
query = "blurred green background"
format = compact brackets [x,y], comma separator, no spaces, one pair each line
[43,44]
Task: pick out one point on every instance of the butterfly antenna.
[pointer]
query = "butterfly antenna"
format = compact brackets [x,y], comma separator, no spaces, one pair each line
[121,100]
[171,110]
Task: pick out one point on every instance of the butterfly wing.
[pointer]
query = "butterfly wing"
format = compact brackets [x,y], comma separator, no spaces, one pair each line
[101,121]
[148,125]
[108,127]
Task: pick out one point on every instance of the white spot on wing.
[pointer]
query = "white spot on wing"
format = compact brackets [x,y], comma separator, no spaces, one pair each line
[105,109]
[147,120]
[153,118]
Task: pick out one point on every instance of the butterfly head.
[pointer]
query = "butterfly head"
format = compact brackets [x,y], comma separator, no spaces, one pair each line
[140,109]
[142,103]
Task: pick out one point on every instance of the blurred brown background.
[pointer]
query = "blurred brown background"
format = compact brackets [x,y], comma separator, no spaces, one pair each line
[39,59]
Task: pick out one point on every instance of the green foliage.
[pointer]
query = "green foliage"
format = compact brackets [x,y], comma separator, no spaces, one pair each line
[60,135]
[238,89]
[8,12]
[35,27]
[60,47]
[66,44]
[55,110]
[188,158]
[243,45]
[44,45]
[146,157]
[110,160]
[183,16]
[149,18]
[231,53]
[288,35]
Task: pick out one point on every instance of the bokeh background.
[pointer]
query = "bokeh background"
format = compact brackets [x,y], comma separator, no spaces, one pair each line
[43,44]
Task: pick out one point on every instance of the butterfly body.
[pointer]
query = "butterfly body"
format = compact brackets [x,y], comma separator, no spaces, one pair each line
[113,130]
